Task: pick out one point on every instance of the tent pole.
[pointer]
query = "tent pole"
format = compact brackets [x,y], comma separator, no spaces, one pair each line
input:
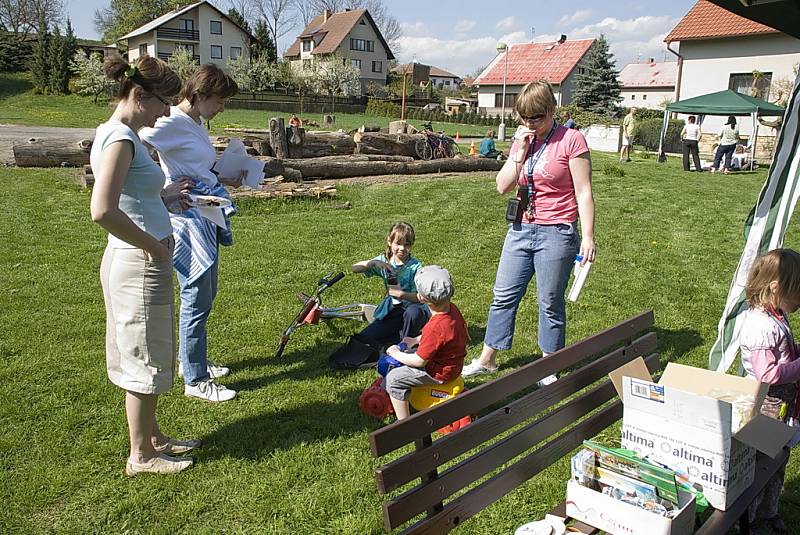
[755,139]
[663,133]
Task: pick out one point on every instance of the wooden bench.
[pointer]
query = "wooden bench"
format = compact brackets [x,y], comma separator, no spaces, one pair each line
[548,423]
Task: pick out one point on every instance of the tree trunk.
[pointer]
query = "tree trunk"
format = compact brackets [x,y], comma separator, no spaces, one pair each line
[316,144]
[379,143]
[277,138]
[52,152]
[355,166]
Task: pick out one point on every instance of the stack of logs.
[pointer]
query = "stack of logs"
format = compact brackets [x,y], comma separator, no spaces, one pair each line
[292,153]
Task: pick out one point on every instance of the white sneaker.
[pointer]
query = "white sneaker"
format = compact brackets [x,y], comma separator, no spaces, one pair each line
[476,368]
[550,379]
[209,391]
[215,371]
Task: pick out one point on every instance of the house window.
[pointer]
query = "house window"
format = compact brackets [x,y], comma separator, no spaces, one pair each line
[186,24]
[447,82]
[216,52]
[307,45]
[356,63]
[581,70]
[633,97]
[142,50]
[363,22]
[644,97]
[216,27]
[362,45]
[745,83]
[511,99]
[236,51]
[377,66]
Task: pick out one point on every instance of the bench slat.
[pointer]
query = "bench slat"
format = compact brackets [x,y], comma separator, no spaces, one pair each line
[411,503]
[720,522]
[399,472]
[488,492]
[398,434]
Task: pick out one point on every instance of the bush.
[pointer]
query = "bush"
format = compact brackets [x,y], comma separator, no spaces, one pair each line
[14,53]
[612,170]
[584,118]
[649,130]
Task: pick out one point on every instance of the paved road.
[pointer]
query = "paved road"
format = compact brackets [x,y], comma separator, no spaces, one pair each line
[10,134]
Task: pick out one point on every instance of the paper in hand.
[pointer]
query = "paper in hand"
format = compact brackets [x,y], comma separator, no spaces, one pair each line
[235,159]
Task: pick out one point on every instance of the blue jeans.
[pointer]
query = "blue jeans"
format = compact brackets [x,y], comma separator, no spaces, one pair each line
[726,151]
[548,251]
[401,321]
[196,301]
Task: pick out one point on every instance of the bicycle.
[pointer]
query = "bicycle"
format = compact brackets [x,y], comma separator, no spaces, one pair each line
[435,145]
[313,310]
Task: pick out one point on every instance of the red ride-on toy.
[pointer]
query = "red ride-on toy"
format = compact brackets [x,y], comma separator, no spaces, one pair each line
[313,310]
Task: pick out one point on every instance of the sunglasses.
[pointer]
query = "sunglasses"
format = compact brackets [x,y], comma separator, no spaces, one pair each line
[533,118]
[164,101]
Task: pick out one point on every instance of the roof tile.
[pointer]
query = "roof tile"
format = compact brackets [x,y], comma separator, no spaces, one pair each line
[649,74]
[709,21]
[535,61]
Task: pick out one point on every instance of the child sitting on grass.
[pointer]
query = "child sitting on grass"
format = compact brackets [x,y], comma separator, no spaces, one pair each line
[442,345]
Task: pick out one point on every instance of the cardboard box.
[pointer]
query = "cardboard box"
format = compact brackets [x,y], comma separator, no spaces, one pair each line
[679,422]
[620,518]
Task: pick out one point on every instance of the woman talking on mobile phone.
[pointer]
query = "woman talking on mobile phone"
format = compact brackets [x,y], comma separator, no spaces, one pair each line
[551,169]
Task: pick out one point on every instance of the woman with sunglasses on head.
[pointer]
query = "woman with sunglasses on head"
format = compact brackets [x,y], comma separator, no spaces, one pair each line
[184,149]
[551,168]
[136,271]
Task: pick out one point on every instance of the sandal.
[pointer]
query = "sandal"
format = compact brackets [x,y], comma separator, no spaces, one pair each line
[173,446]
[476,368]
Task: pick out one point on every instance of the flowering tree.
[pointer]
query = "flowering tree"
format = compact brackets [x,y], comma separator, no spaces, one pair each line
[338,76]
[182,62]
[91,80]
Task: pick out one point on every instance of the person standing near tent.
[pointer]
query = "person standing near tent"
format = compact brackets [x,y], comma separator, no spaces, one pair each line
[728,137]
[628,130]
[690,135]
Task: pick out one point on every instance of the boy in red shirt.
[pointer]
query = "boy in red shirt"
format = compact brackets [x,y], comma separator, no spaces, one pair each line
[441,347]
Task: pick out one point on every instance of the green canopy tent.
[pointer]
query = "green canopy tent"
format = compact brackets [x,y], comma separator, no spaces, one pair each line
[726,102]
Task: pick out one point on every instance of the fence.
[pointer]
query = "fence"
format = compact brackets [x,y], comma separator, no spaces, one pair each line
[288,101]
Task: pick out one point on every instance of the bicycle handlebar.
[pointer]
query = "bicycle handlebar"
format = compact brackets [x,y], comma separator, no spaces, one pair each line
[330,281]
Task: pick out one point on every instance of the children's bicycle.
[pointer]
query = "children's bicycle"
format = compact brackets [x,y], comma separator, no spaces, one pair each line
[433,145]
[313,310]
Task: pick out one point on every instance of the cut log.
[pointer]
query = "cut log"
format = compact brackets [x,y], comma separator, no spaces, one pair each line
[317,144]
[277,138]
[295,136]
[289,191]
[380,143]
[397,127]
[297,162]
[52,152]
[345,168]
[369,128]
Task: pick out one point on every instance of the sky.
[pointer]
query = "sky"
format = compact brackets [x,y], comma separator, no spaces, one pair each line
[461,36]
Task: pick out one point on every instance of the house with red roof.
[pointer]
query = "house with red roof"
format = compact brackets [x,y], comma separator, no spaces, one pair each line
[717,50]
[351,35]
[558,63]
[428,74]
[648,85]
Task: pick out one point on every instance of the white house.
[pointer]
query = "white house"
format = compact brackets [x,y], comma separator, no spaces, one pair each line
[558,63]
[201,28]
[428,74]
[648,85]
[351,35]
[719,50]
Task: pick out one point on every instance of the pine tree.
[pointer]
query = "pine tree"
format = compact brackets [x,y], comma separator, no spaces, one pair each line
[239,19]
[264,44]
[597,89]
[54,72]
[40,62]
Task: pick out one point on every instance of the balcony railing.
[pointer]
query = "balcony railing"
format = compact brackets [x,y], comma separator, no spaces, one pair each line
[175,33]
[165,56]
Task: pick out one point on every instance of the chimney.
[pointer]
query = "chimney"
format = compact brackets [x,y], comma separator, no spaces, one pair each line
[651,60]
[562,39]
[326,14]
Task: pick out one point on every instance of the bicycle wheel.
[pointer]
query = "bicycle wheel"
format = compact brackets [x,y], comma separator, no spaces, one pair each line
[455,150]
[423,149]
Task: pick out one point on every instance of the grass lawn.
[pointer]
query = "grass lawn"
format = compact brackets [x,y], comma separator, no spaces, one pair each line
[18,105]
[290,455]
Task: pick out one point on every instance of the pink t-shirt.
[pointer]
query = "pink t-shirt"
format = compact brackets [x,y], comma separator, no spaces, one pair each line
[554,192]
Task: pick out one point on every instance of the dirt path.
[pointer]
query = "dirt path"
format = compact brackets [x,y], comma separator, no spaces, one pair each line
[11,134]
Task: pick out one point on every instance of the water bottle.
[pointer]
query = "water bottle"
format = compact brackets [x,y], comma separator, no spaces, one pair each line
[580,272]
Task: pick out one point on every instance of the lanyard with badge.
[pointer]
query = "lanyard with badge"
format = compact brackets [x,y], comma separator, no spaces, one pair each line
[531,166]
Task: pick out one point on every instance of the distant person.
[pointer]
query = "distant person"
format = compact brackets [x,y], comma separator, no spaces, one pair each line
[569,122]
[628,131]
[728,136]
[136,271]
[295,121]
[690,135]
[488,149]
